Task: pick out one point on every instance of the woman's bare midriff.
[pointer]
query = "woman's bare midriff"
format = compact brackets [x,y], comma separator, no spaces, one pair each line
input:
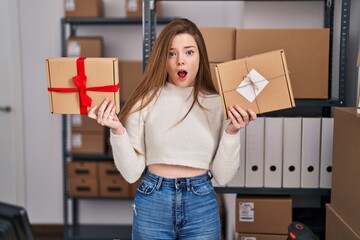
[175,171]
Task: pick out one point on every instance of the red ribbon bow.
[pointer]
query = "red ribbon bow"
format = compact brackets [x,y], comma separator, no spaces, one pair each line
[80,83]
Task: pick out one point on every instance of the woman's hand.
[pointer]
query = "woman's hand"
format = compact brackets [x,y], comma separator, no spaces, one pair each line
[106,116]
[239,118]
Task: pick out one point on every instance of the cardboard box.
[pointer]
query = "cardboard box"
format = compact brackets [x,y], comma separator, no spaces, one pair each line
[213,75]
[64,95]
[220,43]
[114,187]
[134,8]
[108,170]
[82,169]
[257,214]
[83,187]
[276,95]
[250,236]
[88,142]
[83,8]
[131,73]
[307,55]
[345,191]
[358,61]
[82,123]
[84,47]
[336,226]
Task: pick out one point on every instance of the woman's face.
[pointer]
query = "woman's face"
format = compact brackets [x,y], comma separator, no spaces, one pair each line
[183,60]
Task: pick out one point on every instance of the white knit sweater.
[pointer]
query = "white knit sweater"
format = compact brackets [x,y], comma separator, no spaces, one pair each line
[198,141]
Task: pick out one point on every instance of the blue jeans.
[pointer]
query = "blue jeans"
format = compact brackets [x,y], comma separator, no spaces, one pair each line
[181,208]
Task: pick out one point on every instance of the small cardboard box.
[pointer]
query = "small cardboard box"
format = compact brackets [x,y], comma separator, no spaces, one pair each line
[307,55]
[232,76]
[82,169]
[220,43]
[257,214]
[108,169]
[134,8]
[131,73]
[84,47]
[253,236]
[345,189]
[114,187]
[102,81]
[88,142]
[83,187]
[83,8]
[336,226]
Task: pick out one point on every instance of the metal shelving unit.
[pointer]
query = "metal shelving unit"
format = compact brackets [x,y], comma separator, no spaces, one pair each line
[149,21]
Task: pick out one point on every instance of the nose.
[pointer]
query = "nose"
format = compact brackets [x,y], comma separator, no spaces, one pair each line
[180,61]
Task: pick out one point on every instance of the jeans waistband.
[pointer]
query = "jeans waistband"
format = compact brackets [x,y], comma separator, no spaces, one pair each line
[177,182]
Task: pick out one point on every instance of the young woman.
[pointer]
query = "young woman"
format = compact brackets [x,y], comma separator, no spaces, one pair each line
[173,131]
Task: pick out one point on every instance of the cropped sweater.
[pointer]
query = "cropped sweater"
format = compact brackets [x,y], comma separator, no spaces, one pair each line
[161,137]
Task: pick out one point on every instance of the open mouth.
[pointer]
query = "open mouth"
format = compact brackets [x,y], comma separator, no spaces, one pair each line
[182,74]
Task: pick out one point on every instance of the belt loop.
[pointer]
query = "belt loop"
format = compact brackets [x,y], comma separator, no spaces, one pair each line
[158,185]
[210,175]
[188,184]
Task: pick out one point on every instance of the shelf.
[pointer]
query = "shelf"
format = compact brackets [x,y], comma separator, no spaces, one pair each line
[275,191]
[112,21]
[99,232]
[91,157]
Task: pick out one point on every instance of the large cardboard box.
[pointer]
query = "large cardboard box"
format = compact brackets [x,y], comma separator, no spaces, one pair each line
[66,97]
[336,227]
[82,123]
[131,73]
[220,43]
[307,55]
[345,191]
[134,8]
[250,236]
[88,142]
[83,8]
[242,75]
[84,47]
[263,214]
[82,169]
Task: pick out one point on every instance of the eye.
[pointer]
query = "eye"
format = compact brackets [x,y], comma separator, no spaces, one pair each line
[172,54]
[190,52]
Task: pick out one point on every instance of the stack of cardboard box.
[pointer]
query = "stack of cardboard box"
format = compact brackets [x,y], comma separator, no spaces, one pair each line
[263,217]
[343,213]
[82,179]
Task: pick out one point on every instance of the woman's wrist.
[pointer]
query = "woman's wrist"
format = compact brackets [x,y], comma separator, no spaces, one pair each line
[118,131]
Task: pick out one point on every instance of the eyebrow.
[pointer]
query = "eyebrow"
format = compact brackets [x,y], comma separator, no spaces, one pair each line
[186,47]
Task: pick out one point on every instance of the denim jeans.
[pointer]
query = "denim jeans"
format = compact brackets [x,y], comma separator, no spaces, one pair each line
[181,208]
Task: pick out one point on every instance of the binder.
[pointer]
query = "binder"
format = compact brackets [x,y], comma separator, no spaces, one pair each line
[310,152]
[273,152]
[327,133]
[254,161]
[239,178]
[292,153]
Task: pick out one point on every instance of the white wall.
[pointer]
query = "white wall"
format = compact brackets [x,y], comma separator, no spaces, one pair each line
[40,38]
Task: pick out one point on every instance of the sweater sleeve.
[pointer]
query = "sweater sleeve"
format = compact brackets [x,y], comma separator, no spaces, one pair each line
[129,162]
[227,158]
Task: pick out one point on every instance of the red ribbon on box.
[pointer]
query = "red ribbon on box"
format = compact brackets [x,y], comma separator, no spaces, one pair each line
[80,83]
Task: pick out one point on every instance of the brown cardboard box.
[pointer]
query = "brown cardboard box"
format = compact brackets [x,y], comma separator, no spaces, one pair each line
[250,236]
[134,8]
[256,214]
[83,187]
[276,95]
[213,75]
[345,190]
[358,62]
[82,123]
[100,72]
[131,73]
[108,170]
[83,8]
[220,43]
[88,142]
[336,227]
[114,187]
[84,47]
[82,169]
[307,55]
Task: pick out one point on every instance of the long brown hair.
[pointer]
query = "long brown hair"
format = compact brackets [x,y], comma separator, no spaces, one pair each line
[155,74]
